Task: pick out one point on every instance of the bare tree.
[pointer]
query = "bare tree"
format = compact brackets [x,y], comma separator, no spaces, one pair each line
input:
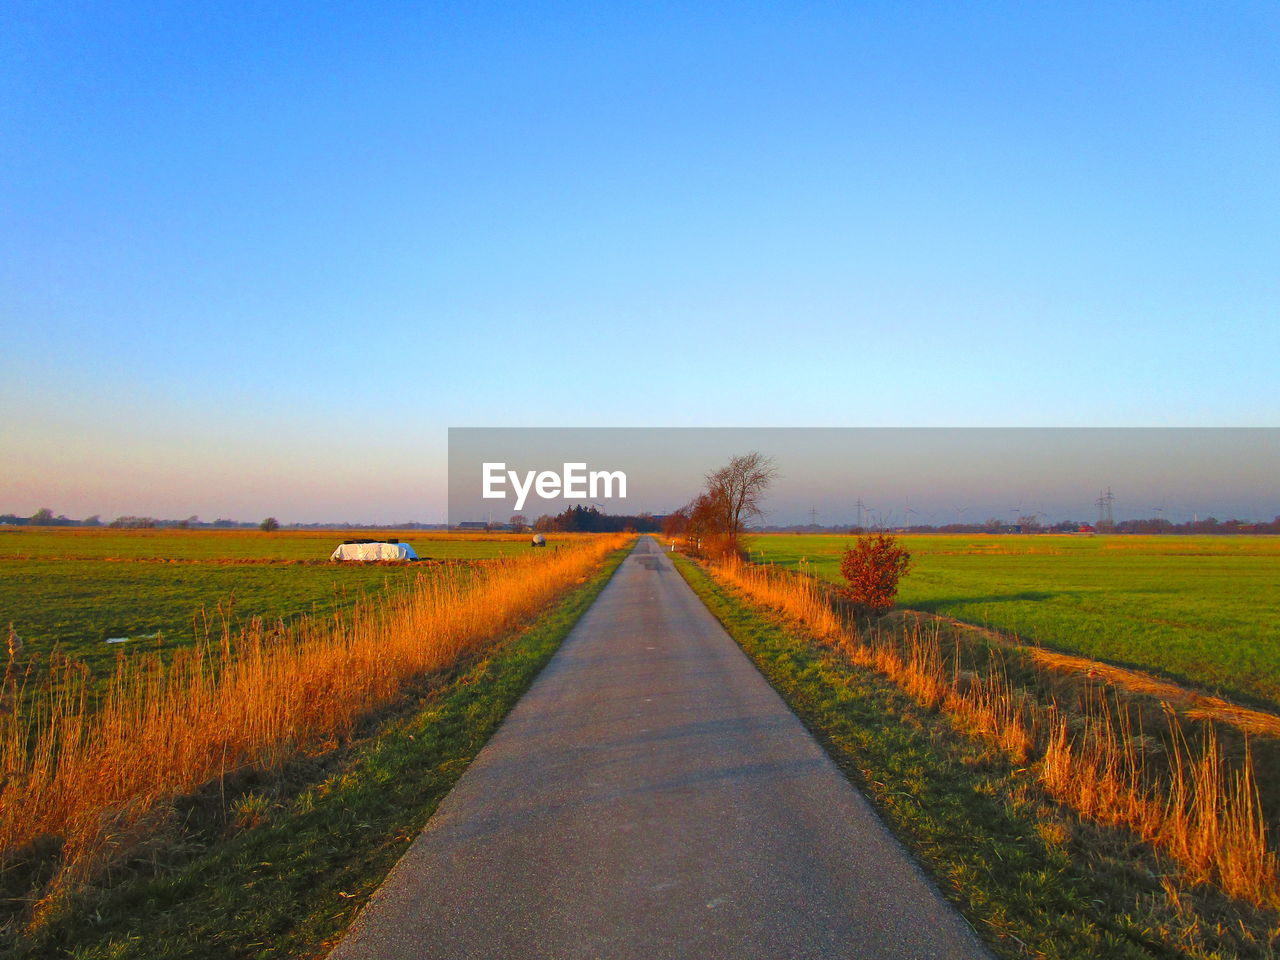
[676,523]
[706,517]
[739,488]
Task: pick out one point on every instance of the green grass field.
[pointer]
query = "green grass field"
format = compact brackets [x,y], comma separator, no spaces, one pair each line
[98,543]
[1200,609]
[75,588]
[276,863]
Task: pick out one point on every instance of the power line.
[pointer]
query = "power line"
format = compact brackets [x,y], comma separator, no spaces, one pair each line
[1106,516]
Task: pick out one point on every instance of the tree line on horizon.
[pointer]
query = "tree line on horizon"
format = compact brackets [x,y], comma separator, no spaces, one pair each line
[579,519]
[994,525]
[706,513]
[45,517]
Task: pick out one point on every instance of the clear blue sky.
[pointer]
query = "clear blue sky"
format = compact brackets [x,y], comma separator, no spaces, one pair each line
[239,242]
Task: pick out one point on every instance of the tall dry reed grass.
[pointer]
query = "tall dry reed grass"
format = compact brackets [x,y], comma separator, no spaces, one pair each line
[1185,800]
[96,777]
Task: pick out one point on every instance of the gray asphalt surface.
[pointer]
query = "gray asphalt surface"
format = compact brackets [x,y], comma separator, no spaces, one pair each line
[652,797]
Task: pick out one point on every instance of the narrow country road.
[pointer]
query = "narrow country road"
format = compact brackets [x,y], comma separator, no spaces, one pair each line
[651,797]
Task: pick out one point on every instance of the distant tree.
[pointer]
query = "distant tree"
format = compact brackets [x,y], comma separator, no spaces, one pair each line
[578,519]
[1029,523]
[94,521]
[269,525]
[518,522]
[133,523]
[705,515]
[42,517]
[705,532]
[738,488]
[872,568]
[676,523]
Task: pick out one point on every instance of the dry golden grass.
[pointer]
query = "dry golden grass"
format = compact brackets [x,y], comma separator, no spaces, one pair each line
[1186,801]
[98,781]
[1187,701]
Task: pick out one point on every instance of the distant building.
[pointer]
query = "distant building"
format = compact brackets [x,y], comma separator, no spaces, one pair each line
[472,525]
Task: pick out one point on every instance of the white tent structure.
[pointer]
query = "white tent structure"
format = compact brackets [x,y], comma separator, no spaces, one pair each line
[371,550]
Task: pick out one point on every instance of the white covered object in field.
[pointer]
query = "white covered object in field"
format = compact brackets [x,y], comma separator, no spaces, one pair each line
[374,551]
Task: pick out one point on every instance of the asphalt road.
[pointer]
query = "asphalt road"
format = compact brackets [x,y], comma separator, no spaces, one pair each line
[651,797]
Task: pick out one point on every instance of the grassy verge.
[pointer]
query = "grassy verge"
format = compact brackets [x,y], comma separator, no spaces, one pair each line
[1033,879]
[278,866]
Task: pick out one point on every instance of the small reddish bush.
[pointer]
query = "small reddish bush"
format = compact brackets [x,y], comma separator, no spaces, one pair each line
[872,568]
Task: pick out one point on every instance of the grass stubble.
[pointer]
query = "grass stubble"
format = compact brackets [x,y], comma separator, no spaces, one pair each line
[1065,819]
